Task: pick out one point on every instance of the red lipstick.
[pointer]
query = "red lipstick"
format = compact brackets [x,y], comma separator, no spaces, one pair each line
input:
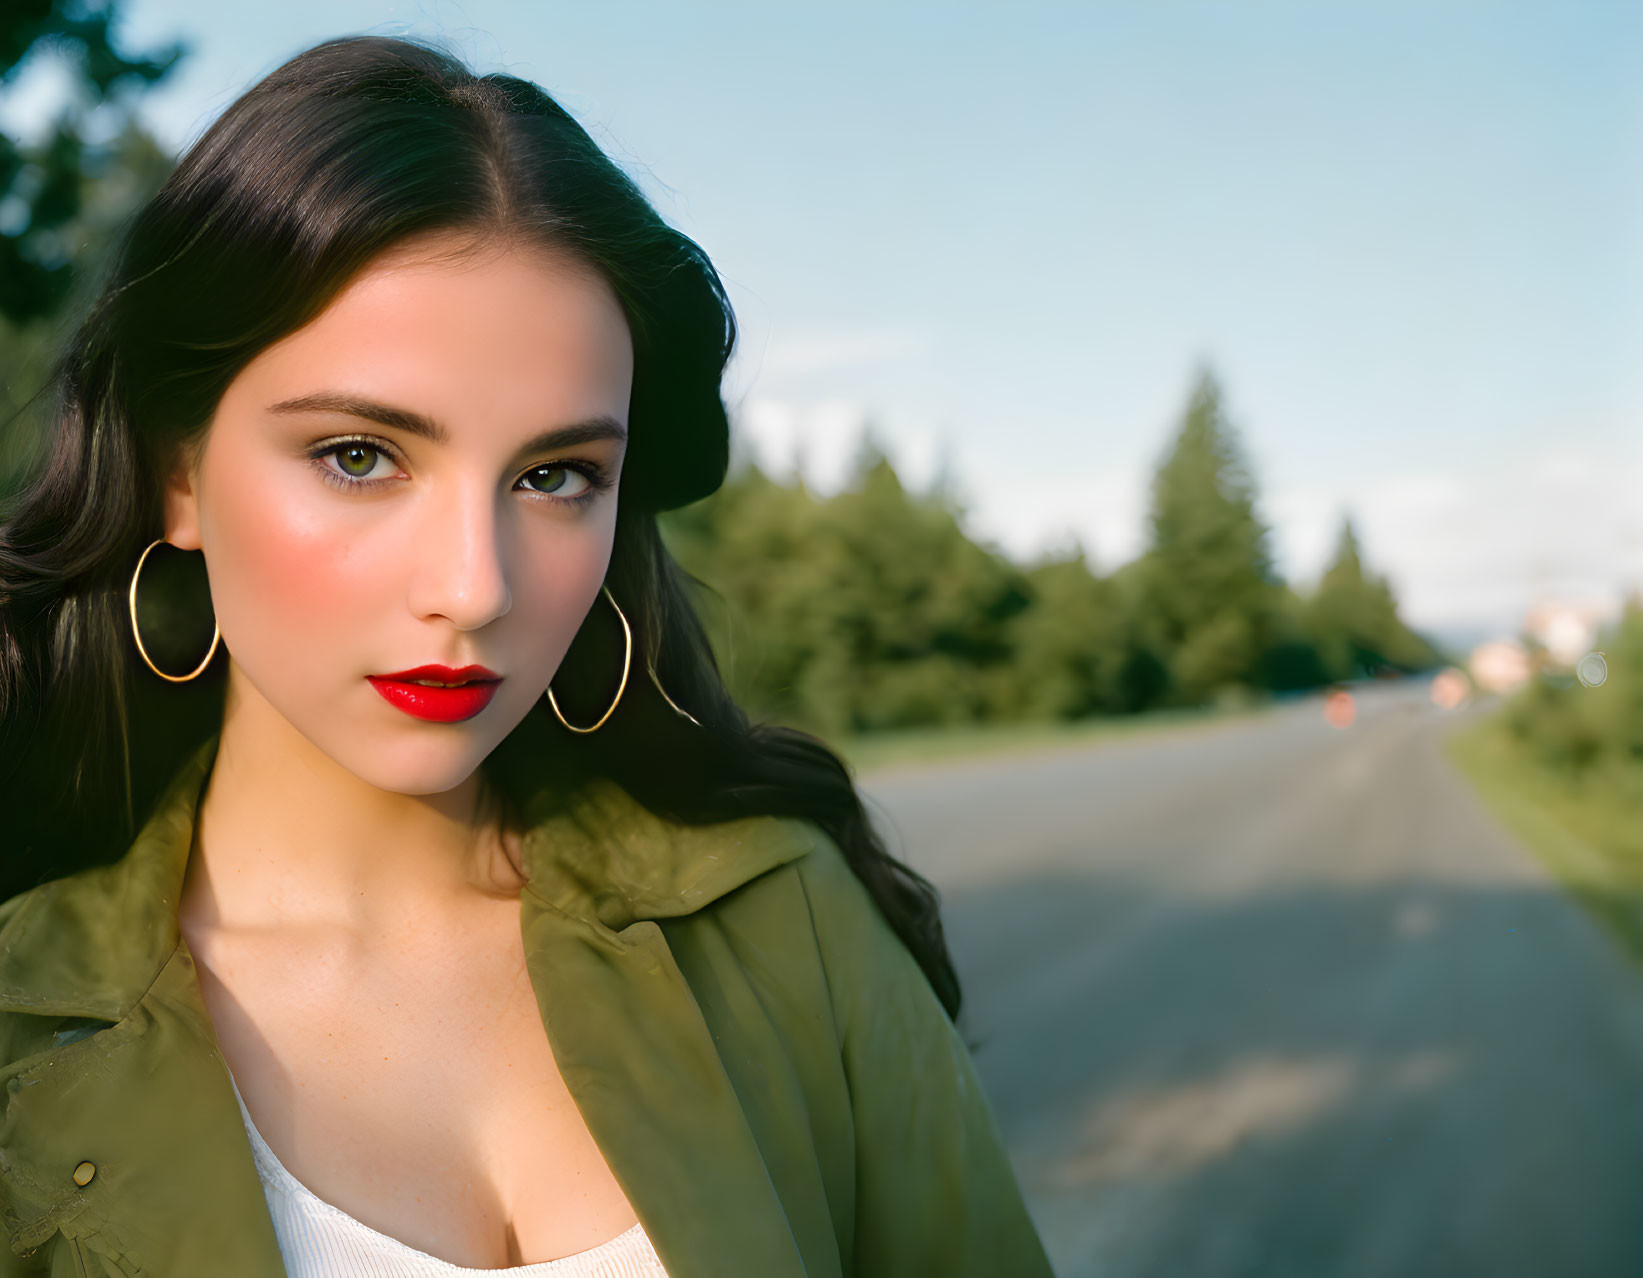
[473,690]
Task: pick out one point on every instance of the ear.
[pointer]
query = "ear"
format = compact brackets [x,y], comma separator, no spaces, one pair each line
[182,507]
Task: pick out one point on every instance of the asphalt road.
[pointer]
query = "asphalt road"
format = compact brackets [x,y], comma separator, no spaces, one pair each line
[1275,998]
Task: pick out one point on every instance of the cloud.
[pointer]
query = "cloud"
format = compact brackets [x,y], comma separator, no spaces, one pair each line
[1478,548]
[1027,514]
[817,440]
[821,439]
[801,354]
[1471,550]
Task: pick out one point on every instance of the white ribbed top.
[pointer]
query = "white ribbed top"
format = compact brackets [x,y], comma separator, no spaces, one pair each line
[318,1240]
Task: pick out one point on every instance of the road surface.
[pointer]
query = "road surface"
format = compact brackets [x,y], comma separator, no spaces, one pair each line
[1279,999]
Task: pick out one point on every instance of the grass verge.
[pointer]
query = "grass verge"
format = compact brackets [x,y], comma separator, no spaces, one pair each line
[915,747]
[1587,830]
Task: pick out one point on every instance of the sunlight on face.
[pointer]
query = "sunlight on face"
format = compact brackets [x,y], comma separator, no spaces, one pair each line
[340,547]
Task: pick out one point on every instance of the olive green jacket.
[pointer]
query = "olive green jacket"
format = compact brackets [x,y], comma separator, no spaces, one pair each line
[761,1061]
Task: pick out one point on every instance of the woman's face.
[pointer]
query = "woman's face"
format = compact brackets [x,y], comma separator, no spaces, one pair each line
[375,493]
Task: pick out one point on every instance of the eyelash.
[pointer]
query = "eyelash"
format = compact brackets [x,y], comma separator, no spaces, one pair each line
[595,475]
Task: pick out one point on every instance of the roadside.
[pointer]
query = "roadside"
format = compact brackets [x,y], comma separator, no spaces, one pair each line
[882,752]
[1587,830]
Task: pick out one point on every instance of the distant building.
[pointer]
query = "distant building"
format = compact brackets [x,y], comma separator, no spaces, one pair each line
[1499,665]
[1566,630]
[1555,632]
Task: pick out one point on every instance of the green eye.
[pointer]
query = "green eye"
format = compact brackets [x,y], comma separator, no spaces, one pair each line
[346,463]
[560,473]
[349,457]
[354,459]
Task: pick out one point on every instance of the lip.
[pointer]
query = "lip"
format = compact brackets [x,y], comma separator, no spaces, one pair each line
[438,705]
[445,674]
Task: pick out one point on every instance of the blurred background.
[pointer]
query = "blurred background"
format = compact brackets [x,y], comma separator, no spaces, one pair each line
[1185,457]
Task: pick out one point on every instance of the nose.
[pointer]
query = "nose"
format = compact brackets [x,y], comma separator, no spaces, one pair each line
[462,560]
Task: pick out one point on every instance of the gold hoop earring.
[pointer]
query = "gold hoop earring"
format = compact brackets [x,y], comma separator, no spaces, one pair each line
[627,661]
[676,707]
[131,599]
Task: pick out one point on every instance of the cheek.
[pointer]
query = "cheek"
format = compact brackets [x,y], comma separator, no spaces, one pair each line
[281,569]
[557,584]
[298,572]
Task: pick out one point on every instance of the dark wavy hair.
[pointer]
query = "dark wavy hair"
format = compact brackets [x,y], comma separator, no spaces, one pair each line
[347,149]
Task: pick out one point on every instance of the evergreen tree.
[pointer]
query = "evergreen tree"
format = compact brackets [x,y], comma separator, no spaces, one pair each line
[869,609]
[67,194]
[1208,583]
[1292,662]
[916,614]
[1071,645]
[45,185]
[1353,617]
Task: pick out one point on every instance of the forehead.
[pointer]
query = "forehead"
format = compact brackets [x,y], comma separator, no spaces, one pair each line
[506,328]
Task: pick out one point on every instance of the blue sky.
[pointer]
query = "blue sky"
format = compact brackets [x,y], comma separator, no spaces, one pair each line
[1407,237]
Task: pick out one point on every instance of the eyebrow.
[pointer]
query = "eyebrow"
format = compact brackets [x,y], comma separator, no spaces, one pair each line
[602,426]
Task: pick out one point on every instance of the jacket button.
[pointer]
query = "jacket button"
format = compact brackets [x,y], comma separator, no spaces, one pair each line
[84,1172]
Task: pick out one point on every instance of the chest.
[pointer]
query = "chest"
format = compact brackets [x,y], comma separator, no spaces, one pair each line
[416,1090]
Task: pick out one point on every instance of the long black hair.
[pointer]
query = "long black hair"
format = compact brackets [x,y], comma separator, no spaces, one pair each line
[345,150]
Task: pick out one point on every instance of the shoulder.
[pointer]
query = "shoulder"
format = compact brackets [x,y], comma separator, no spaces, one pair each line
[842,910]
[844,913]
[806,912]
[870,971]
[815,890]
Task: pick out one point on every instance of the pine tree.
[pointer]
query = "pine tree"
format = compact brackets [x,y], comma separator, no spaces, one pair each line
[1209,585]
[1353,617]
[1345,615]
[66,194]
[48,184]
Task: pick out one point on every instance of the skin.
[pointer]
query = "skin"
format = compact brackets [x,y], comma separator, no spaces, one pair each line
[352,908]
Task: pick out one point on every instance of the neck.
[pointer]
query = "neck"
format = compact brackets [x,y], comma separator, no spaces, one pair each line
[288,837]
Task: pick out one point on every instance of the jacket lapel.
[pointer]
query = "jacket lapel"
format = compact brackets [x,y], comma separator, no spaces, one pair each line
[628,1035]
[147,1099]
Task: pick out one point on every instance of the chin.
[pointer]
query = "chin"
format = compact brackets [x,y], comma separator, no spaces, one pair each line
[443,758]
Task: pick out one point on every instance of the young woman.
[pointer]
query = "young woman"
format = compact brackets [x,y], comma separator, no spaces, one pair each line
[404,893]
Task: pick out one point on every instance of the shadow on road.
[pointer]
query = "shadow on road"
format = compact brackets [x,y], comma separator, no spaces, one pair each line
[1282,1002]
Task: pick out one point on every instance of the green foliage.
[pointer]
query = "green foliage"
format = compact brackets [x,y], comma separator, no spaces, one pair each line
[1563,763]
[45,185]
[66,196]
[1616,706]
[1578,731]
[1561,729]
[1208,584]
[1354,618]
[865,611]
[871,610]
[1292,660]
[1072,645]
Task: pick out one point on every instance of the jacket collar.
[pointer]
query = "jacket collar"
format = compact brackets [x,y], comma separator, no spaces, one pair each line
[90,944]
[147,1099]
